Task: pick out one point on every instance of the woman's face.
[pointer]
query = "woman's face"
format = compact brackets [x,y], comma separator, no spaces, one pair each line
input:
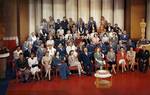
[72,52]
[131,49]
[111,50]
[21,57]
[98,49]
[122,49]
[18,48]
[42,45]
[85,50]
[32,55]
[47,54]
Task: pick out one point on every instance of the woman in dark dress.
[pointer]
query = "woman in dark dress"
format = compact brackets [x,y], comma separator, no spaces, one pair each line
[59,62]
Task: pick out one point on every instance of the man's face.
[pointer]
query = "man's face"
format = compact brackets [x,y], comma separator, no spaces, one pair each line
[85,49]
[144,48]
[116,25]
[58,20]
[18,48]
[64,18]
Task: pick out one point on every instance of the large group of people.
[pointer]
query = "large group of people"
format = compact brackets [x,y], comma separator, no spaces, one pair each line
[63,44]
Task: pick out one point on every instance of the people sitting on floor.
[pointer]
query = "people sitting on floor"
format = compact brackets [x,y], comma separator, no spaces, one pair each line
[22,67]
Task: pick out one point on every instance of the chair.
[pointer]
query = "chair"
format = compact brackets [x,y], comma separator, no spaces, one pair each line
[55,71]
[73,68]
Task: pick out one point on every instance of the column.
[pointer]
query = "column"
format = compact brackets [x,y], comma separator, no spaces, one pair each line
[47,9]
[148,20]
[38,14]
[59,9]
[119,13]
[31,16]
[23,24]
[71,9]
[83,10]
[107,10]
[95,10]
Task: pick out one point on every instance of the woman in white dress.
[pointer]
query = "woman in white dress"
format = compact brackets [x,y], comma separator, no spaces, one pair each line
[131,58]
[73,61]
[46,62]
[33,63]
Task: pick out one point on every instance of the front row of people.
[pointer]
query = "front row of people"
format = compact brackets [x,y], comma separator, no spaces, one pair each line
[32,67]
[27,67]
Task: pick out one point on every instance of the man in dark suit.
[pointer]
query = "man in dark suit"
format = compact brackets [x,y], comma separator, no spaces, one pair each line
[92,25]
[143,56]
[86,59]
[22,68]
[116,28]
[64,24]
[57,24]
[109,27]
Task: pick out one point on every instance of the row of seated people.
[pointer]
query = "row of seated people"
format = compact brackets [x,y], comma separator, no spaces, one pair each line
[82,59]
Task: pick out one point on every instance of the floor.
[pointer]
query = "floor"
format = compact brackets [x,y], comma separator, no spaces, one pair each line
[3,86]
[127,83]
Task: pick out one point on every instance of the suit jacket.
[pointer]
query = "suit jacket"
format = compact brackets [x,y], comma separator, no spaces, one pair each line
[57,26]
[144,55]
[81,28]
[40,53]
[64,25]
[62,52]
[22,64]
[86,59]
[109,28]
[90,26]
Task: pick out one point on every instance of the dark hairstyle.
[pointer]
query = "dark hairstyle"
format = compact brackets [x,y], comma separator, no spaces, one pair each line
[121,47]
[17,47]
[71,51]
[33,53]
